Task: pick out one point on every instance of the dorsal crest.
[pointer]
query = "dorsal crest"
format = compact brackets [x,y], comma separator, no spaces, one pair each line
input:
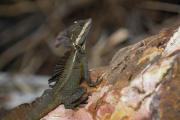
[59,69]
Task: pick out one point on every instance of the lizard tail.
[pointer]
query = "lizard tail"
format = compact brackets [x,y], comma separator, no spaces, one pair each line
[32,111]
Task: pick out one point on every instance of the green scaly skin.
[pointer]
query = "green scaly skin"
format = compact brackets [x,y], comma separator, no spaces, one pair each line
[67,89]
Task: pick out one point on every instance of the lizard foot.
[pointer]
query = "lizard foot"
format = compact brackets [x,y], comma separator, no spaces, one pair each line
[98,81]
[77,102]
[75,98]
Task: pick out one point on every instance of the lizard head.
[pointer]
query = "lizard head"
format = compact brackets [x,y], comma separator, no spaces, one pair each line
[83,31]
[75,35]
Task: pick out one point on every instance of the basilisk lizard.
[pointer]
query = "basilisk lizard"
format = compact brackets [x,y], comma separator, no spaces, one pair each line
[67,77]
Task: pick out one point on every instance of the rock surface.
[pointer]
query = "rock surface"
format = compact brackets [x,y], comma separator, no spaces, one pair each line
[142,83]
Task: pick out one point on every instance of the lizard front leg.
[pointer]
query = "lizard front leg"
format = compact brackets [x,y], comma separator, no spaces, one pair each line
[86,75]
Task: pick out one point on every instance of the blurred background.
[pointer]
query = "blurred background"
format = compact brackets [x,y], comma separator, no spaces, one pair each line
[28,30]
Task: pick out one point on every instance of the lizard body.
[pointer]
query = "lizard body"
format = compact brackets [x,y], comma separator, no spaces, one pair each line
[67,77]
